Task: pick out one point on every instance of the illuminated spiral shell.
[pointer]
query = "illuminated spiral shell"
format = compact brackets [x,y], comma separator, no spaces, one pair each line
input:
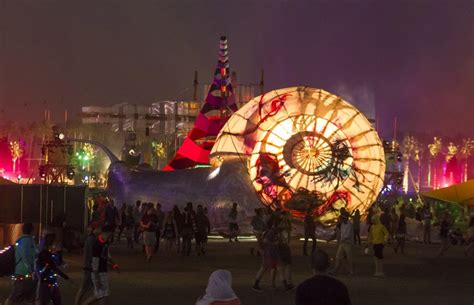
[305,143]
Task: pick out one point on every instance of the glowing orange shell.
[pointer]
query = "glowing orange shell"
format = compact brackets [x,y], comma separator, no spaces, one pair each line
[300,142]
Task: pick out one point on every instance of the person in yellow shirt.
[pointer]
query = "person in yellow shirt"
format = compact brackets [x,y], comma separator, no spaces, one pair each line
[378,237]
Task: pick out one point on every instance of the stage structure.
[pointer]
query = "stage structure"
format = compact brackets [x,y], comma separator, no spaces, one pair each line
[394,175]
[57,154]
[218,107]
[305,148]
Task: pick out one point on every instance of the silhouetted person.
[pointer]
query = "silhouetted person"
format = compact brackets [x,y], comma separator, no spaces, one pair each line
[111,218]
[444,228]
[189,229]
[345,243]
[149,224]
[400,235]
[270,258]
[87,288]
[101,261]
[393,224]
[356,226]
[427,218]
[258,226]
[233,224]
[309,232]
[137,217]
[203,230]
[122,219]
[321,289]
[178,218]
[161,219]
[368,220]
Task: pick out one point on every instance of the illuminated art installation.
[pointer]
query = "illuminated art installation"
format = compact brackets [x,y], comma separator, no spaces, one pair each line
[297,148]
[305,148]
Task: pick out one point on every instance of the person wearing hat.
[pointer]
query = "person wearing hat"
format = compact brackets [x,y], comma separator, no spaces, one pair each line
[345,243]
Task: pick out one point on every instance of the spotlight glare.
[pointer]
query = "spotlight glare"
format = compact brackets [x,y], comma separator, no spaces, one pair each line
[213,174]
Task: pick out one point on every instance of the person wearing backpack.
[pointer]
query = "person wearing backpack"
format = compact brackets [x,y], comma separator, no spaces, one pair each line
[24,286]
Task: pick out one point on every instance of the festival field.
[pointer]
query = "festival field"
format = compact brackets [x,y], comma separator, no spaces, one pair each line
[416,278]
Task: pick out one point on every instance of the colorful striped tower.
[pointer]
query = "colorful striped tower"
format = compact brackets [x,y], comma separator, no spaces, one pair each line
[218,107]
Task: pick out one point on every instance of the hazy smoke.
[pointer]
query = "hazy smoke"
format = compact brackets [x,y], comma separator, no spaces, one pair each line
[361,97]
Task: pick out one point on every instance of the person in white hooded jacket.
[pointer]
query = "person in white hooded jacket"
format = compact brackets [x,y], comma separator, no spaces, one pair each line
[219,290]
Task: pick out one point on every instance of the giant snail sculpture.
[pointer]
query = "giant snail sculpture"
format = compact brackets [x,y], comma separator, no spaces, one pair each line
[296,149]
[305,148]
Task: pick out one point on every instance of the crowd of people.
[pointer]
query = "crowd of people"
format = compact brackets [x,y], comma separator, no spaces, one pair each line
[145,224]
[387,226]
[37,268]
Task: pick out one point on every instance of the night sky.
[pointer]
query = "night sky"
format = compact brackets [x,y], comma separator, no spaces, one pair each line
[412,59]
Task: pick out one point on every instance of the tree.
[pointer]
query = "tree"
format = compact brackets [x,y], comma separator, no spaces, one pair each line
[410,151]
[434,149]
[16,152]
[466,152]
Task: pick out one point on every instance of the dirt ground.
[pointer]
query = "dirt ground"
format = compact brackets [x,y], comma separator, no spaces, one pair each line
[415,278]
